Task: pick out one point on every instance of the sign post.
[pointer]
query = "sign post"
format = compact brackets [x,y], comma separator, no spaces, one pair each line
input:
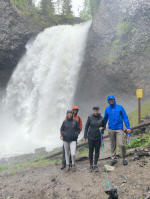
[139,95]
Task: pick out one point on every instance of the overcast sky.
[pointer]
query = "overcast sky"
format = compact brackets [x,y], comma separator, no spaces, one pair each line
[76,4]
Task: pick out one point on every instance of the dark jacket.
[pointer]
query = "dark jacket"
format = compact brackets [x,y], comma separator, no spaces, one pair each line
[92,127]
[78,119]
[70,130]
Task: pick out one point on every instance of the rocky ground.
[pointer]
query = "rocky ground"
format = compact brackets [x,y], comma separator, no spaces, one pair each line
[49,182]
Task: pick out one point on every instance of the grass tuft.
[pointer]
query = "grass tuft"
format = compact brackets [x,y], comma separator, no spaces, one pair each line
[140,141]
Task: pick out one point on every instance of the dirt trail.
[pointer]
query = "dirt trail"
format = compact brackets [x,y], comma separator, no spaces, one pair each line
[49,182]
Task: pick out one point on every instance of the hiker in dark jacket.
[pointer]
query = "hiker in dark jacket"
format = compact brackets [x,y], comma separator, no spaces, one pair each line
[75,111]
[92,132]
[69,133]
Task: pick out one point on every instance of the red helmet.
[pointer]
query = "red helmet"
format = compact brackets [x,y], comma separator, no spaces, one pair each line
[75,108]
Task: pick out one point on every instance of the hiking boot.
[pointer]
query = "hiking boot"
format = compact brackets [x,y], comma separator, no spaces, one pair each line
[125,162]
[91,168]
[71,165]
[95,168]
[74,168]
[67,168]
[63,167]
[113,162]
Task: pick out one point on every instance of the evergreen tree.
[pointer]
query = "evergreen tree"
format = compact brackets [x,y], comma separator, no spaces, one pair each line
[86,12]
[67,8]
[89,9]
[58,6]
[30,2]
[47,7]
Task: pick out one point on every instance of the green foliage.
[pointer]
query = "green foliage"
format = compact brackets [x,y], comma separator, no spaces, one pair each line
[140,141]
[4,168]
[38,162]
[28,8]
[13,172]
[86,13]
[47,7]
[90,7]
[41,161]
[43,17]
[125,27]
[83,152]
[110,59]
[133,116]
[24,5]
[133,30]
[67,8]
[116,43]
[124,52]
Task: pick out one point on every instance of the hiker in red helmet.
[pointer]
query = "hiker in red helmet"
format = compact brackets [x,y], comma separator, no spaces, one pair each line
[76,117]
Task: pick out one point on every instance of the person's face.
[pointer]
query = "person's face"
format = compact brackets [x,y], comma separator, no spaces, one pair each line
[96,111]
[75,111]
[111,101]
[69,115]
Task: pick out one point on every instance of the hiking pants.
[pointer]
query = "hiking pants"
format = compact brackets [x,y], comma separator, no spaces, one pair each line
[70,148]
[117,137]
[64,159]
[94,145]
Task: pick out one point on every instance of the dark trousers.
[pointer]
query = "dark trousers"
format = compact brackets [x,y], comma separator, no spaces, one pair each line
[64,159]
[94,145]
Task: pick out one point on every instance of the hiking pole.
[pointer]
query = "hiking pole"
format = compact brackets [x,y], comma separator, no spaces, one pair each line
[111,192]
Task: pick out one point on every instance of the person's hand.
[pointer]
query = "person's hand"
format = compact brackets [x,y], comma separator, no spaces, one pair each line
[61,137]
[129,131]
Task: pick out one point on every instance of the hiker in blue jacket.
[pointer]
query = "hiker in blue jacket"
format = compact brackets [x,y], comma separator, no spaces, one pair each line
[115,115]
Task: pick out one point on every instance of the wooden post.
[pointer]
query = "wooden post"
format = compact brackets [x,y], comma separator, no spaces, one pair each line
[139,95]
[139,110]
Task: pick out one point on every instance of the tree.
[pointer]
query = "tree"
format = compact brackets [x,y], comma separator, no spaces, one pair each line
[58,6]
[89,9]
[30,2]
[47,7]
[67,8]
[86,12]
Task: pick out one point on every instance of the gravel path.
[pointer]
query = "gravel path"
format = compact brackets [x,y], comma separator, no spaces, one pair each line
[49,182]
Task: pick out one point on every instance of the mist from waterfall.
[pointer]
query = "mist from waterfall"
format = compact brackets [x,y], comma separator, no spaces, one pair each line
[41,89]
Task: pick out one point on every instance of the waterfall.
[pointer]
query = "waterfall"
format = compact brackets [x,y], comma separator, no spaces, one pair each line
[41,89]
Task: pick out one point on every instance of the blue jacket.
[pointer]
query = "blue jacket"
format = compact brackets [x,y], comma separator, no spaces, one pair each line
[115,115]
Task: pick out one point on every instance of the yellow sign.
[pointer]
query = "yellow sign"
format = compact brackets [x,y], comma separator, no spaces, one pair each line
[139,93]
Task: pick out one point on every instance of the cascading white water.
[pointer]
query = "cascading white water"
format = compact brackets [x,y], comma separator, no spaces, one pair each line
[41,89]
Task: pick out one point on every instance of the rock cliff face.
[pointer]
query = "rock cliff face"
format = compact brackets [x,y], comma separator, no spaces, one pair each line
[117,59]
[15,31]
